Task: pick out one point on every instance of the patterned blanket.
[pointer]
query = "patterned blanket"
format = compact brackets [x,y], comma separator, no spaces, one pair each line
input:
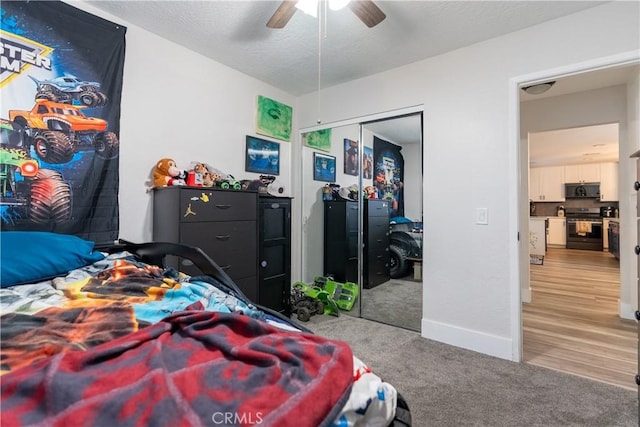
[124,340]
[193,368]
[98,303]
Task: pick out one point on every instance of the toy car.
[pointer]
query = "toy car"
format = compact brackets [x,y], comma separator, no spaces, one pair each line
[304,306]
[223,180]
[305,298]
[344,294]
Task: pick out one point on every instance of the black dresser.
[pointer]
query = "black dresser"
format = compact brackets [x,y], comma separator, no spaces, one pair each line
[223,223]
[341,241]
[377,263]
[274,248]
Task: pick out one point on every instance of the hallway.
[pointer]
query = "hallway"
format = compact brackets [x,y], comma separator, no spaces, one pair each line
[572,324]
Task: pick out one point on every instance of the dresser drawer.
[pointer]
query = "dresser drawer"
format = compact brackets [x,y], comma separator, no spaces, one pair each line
[378,208]
[197,205]
[232,244]
[378,226]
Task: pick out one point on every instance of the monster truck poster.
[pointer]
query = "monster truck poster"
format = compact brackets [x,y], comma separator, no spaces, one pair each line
[61,83]
[389,174]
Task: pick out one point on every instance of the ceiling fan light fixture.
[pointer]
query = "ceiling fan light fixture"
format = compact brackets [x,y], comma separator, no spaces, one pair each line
[538,88]
[309,7]
[338,4]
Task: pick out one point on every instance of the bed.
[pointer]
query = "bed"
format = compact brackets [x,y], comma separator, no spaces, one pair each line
[108,335]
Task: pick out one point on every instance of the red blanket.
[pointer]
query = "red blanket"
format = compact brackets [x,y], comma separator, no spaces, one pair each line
[193,368]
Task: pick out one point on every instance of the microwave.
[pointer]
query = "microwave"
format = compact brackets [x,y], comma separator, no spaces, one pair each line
[582,190]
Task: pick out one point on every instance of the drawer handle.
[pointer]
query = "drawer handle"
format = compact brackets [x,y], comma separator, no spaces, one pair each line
[223,237]
[223,206]
[637,249]
[636,185]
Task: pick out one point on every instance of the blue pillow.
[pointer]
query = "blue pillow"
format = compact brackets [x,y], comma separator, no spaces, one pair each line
[34,256]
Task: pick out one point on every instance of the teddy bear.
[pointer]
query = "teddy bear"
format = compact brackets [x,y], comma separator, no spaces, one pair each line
[166,173]
[202,175]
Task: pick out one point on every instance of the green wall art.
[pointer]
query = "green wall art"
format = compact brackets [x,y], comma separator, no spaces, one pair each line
[318,139]
[274,119]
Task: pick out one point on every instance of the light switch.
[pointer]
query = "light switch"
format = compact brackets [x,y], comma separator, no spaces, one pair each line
[482,216]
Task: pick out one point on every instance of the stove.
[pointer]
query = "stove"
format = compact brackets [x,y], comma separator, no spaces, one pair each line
[584,228]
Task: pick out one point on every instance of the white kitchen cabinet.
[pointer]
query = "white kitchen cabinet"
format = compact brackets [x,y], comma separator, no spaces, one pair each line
[589,172]
[537,235]
[557,231]
[546,184]
[534,184]
[609,182]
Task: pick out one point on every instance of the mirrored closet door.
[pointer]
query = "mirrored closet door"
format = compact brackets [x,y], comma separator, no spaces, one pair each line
[330,214]
[396,145]
[362,215]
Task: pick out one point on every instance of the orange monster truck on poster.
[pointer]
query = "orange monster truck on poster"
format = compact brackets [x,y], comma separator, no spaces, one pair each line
[58,130]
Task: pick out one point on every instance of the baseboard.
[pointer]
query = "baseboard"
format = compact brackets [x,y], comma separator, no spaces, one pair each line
[480,342]
[626,311]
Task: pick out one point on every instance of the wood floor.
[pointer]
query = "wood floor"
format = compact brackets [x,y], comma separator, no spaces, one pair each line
[572,323]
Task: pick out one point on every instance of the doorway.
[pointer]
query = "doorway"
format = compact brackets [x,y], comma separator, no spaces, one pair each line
[561,268]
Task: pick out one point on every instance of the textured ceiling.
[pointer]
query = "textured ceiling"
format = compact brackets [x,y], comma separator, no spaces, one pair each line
[234,33]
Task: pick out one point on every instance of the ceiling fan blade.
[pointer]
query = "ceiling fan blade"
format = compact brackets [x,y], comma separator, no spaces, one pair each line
[368,12]
[283,14]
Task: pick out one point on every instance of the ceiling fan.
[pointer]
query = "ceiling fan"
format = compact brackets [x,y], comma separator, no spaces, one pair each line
[366,10]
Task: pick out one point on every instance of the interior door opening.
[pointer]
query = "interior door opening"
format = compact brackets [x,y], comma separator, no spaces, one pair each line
[571,315]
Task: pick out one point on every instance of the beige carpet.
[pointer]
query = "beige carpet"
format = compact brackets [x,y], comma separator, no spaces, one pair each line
[447,386]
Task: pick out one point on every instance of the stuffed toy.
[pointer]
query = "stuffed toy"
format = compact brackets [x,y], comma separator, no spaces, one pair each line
[207,179]
[166,173]
[203,175]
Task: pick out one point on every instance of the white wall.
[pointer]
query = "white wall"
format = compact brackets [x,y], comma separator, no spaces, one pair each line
[178,104]
[469,163]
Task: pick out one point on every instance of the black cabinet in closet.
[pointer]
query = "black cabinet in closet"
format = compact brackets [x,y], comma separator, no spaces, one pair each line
[341,241]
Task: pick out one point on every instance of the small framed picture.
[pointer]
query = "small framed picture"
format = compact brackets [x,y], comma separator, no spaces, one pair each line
[324,167]
[351,157]
[274,119]
[318,139]
[262,156]
[367,163]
